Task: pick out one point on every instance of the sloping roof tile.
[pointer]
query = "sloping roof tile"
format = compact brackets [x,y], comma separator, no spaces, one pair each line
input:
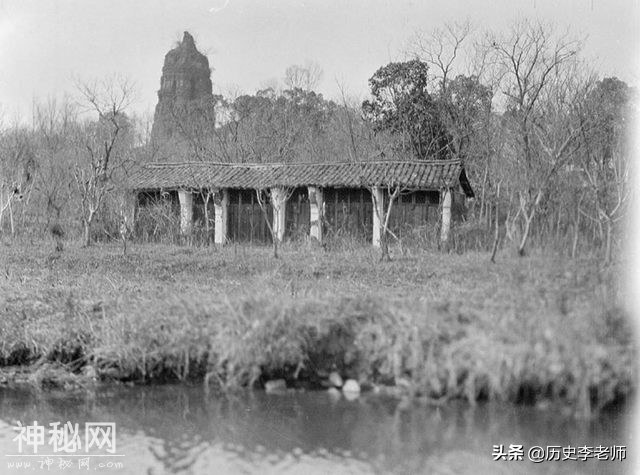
[426,175]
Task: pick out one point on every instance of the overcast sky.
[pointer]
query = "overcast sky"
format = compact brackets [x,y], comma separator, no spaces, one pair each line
[45,44]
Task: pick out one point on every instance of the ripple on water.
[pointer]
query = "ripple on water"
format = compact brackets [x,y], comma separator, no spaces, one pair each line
[179,430]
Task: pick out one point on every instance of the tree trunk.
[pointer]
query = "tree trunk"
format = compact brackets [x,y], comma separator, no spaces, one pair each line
[11,219]
[601,233]
[207,226]
[608,246]
[384,246]
[576,234]
[525,235]
[496,237]
[86,233]
[87,229]
[482,197]
[527,222]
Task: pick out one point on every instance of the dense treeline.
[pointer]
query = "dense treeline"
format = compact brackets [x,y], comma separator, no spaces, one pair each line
[543,138]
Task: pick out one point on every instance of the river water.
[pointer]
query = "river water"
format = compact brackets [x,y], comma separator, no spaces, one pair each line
[175,429]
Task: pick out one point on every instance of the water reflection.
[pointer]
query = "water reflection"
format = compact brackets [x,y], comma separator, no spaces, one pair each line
[177,429]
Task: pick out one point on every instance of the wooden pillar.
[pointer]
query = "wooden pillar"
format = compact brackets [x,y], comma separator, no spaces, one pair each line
[130,203]
[279,206]
[186,211]
[377,195]
[316,211]
[446,217]
[220,210]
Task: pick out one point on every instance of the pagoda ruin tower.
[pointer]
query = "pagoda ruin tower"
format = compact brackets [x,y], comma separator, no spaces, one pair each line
[185,93]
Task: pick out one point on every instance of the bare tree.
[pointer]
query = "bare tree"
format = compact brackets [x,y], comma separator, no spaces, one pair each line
[611,191]
[125,203]
[17,170]
[99,152]
[536,64]
[442,49]
[199,139]
[466,81]
[55,123]
[605,159]
[305,77]
[277,197]
[383,199]
[363,144]
[9,194]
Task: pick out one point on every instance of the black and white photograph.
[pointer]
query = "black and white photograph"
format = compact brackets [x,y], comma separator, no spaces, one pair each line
[319,237]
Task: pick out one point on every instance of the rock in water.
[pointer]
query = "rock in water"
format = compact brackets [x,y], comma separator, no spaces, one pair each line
[334,394]
[185,93]
[335,379]
[275,386]
[351,386]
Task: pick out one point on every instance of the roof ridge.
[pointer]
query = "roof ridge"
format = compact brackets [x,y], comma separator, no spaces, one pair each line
[297,164]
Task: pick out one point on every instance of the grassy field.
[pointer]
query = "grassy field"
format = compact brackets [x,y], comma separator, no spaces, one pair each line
[538,329]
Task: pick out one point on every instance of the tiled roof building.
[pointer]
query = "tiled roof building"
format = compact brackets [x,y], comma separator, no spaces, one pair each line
[415,175]
[321,195]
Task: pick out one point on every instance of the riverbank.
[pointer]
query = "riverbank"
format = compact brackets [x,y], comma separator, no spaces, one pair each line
[540,329]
